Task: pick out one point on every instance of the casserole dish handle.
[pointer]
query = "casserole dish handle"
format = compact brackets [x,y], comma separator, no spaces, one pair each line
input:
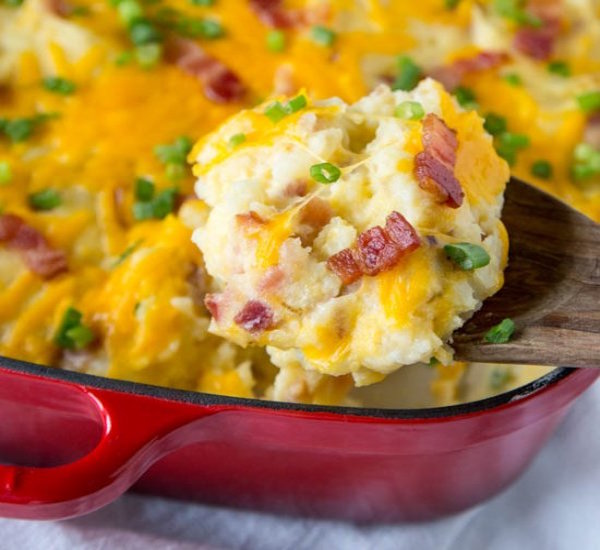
[135,431]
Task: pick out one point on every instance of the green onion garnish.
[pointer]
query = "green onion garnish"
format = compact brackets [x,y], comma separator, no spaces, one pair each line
[129,11]
[513,10]
[144,189]
[71,333]
[143,32]
[325,172]
[408,74]
[275,41]
[5,172]
[123,58]
[59,85]
[18,129]
[542,169]
[295,104]
[322,35]
[560,68]
[515,141]
[410,110]
[200,28]
[236,139]
[495,124]
[466,97]
[451,4]
[162,204]
[275,112]
[589,101]
[434,362]
[501,333]
[47,199]
[587,162]
[148,55]
[13,3]
[513,79]
[126,253]
[174,153]
[202,2]
[467,256]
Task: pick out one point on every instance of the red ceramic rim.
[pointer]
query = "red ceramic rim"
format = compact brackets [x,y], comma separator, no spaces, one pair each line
[199,398]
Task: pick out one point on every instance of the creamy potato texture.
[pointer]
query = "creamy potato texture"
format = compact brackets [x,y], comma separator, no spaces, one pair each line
[273,227]
[125,88]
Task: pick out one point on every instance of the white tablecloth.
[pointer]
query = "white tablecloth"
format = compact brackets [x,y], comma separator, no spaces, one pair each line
[555,505]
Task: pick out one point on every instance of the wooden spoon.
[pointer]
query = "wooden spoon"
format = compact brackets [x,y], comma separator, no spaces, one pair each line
[551,290]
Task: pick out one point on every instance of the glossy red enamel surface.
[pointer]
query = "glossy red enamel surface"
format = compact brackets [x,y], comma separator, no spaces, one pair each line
[80,442]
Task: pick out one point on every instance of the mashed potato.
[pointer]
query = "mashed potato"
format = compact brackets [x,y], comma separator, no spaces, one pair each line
[327,242]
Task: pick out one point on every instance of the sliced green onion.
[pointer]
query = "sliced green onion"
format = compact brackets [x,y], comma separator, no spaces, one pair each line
[47,199]
[174,153]
[13,3]
[501,333]
[495,124]
[451,4]
[589,101]
[5,172]
[542,169]
[513,10]
[148,55]
[323,35]
[410,110]
[59,85]
[583,172]
[124,58]
[587,162]
[434,362]
[202,2]
[72,333]
[408,75]
[584,152]
[275,41]
[236,140]
[143,32]
[513,79]
[143,211]
[160,206]
[325,172]
[514,141]
[144,189]
[466,97]
[126,253]
[200,28]
[129,11]
[275,112]
[19,129]
[295,104]
[467,256]
[560,68]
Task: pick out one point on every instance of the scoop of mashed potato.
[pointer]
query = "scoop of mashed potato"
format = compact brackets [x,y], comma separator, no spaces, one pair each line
[328,228]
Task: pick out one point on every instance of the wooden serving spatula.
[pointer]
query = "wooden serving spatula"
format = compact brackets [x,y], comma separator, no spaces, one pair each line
[551,291]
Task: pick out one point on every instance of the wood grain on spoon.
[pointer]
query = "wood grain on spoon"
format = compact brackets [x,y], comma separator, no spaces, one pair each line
[551,290]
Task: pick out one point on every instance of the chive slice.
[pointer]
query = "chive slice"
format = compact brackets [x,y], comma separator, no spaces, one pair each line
[466,97]
[143,32]
[589,101]
[408,74]
[47,199]
[129,11]
[322,35]
[501,333]
[275,112]
[202,2]
[160,206]
[200,28]
[560,68]
[144,189]
[148,55]
[295,104]
[5,172]
[513,10]
[514,141]
[513,79]
[542,169]
[236,140]
[19,129]
[325,172]
[59,85]
[71,333]
[434,361]
[275,41]
[174,153]
[495,124]
[410,110]
[467,256]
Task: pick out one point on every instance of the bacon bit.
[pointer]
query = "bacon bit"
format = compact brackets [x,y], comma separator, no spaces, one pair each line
[344,266]
[376,250]
[538,43]
[221,84]
[452,75]
[272,278]
[254,317]
[273,14]
[591,134]
[296,188]
[35,250]
[434,166]
[60,8]
[213,303]
[402,233]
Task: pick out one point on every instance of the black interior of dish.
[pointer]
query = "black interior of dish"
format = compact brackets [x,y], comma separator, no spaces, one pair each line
[221,400]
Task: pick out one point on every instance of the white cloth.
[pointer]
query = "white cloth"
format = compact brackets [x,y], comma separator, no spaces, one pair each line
[554,506]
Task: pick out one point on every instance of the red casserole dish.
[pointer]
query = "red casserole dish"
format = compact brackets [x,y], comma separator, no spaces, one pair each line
[75,442]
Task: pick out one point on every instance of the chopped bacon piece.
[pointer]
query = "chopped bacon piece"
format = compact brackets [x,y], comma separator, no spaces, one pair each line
[273,14]
[60,8]
[538,42]
[434,166]
[212,303]
[35,250]
[591,133]
[255,317]
[452,75]
[221,84]
[296,188]
[402,233]
[272,279]
[375,251]
[344,266]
